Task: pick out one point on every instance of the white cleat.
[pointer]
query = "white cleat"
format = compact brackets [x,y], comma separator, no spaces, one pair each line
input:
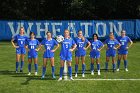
[35,73]
[76,75]
[126,69]
[92,73]
[60,79]
[118,69]
[71,78]
[29,73]
[99,73]
[83,75]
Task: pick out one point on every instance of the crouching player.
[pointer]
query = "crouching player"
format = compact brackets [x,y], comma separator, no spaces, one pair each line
[123,50]
[32,46]
[96,47]
[112,46]
[49,43]
[80,53]
[67,46]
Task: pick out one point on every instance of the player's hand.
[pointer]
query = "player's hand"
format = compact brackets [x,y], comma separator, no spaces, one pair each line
[115,48]
[85,48]
[99,49]
[107,48]
[36,49]
[16,46]
[70,50]
[52,50]
[127,48]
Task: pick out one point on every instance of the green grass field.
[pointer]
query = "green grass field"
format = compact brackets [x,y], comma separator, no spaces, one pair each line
[10,82]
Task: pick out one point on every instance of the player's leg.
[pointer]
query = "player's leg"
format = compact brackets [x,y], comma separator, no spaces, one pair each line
[23,52]
[53,67]
[98,65]
[106,64]
[125,62]
[83,66]
[44,67]
[113,63]
[61,69]
[92,66]
[17,61]
[70,69]
[36,65]
[29,65]
[118,61]
[76,65]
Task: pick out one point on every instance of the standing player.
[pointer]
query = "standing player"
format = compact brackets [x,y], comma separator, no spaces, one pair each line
[123,50]
[96,47]
[67,46]
[32,45]
[112,46]
[80,53]
[20,48]
[49,44]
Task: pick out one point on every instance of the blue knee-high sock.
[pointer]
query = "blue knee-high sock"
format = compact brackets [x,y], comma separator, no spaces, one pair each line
[43,71]
[17,64]
[92,66]
[98,67]
[70,70]
[76,68]
[36,67]
[53,70]
[21,65]
[29,67]
[83,68]
[61,71]
[118,63]
[114,66]
[125,63]
[106,65]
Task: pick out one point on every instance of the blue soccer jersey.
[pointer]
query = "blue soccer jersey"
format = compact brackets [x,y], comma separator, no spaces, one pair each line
[20,41]
[111,45]
[124,43]
[32,45]
[49,45]
[80,51]
[66,45]
[95,45]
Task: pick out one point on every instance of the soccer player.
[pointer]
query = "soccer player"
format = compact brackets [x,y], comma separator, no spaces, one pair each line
[67,46]
[123,50]
[32,46]
[20,48]
[49,43]
[80,53]
[112,46]
[96,47]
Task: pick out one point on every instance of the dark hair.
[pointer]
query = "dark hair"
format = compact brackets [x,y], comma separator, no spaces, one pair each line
[95,35]
[48,32]
[32,33]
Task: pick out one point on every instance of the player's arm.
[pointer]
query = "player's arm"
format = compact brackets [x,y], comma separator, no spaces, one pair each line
[39,47]
[101,48]
[130,44]
[57,46]
[117,46]
[73,47]
[12,41]
[88,45]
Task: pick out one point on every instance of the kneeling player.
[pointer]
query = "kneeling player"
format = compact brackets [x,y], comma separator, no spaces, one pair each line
[123,50]
[32,45]
[112,46]
[67,46]
[96,46]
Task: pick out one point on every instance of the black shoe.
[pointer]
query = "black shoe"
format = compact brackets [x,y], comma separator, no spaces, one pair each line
[21,71]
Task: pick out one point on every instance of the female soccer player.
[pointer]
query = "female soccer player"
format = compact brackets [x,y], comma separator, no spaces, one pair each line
[67,46]
[20,48]
[32,45]
[96,47]
[82,45]
[49,45]
[112,46]
[123,50]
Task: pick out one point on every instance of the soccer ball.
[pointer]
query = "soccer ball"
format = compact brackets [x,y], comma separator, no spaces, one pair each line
[59,38]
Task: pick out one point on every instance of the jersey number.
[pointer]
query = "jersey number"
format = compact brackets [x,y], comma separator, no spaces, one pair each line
[32,47]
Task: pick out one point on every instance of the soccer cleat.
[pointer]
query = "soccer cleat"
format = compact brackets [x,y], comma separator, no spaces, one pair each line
[83,75]
[76,75]
[16,71]
[29,73]
[35,73]
[53,77]
[99,73]
[126,69]
[92,72]
[60,79]
[43,77]
[118,69]
[71,78]
[21,70]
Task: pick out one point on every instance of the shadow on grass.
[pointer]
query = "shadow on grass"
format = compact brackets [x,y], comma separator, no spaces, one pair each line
[7,72]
